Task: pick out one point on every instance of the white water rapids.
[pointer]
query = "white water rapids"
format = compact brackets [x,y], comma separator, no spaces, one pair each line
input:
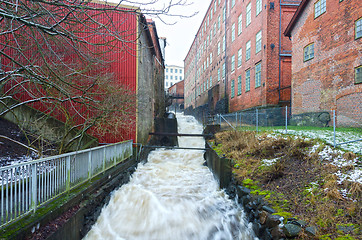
[172,196]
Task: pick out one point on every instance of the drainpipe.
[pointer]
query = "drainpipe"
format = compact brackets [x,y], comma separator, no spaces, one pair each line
[280,47]
[195,67]
[226,65]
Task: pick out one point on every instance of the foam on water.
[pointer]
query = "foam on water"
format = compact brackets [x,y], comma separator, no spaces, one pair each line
[172,196]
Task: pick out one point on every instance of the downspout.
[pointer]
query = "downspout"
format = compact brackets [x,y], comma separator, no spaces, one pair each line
[280,47]
[226,65]
[195,67]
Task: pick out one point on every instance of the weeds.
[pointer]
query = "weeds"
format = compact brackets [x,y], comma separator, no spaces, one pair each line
[290,175]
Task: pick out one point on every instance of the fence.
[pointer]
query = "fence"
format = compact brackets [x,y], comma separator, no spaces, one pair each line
[292,120]
[28,185]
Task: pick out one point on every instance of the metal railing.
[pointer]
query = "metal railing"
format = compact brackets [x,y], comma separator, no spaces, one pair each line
[26,186]
[280,117]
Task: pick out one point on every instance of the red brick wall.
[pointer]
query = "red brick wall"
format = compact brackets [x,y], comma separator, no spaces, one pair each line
[268,22]
[327,81]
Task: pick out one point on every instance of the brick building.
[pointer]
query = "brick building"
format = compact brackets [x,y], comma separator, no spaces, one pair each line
[240,59]
[173,75]
[176,93]
[327,59]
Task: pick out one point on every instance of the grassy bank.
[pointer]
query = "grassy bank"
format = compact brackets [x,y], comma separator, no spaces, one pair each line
[301,178]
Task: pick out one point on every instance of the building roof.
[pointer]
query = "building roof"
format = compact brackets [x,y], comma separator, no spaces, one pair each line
[292,23]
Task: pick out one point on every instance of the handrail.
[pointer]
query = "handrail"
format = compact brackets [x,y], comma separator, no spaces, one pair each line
[26,186]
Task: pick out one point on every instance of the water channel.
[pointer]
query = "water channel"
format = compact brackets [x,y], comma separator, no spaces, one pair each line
[172,196]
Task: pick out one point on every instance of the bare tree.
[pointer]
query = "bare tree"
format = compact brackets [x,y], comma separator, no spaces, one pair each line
[56,56]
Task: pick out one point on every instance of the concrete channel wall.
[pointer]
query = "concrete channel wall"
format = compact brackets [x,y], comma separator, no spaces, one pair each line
[264,223]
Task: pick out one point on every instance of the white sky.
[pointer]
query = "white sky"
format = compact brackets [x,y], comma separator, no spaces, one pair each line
[180,35]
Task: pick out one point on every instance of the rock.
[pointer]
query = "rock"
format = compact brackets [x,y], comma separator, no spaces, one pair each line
[311,231]
[300,223]
[245,200]
[263,216]
[242,191]
[291,230]
[345,228]
[268,209]
[277,233]
[273,221]
[266,235]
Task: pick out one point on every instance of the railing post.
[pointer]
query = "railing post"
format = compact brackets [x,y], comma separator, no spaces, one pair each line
[34,189]
[236,119]
[286,119]
[90,164]
[257,120]
[67,176]
[104,159]
[334,128]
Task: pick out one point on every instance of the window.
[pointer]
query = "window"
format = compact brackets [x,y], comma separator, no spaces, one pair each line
[309,52]
[247,80]
[223,70]
[232,3]
[240,24]
[175,70]
[215,6]
[233,32]
[248,46]
[218,74]
[358,28]
[171,70]
[210,81]
[358,74]
[210,58]
[224,43]
[319,8]
[218,22]
[239,57]
[180,78]
[239,85]
[171,77]
[175,77]
[166,76]
[180,70]
[218,48]
[257,75]
[171,83]
[248,14]
[166,84]
[258,7]
[224,14]
[167,70]
[233,63]
[258,42]
[207,83]
[214,29]
[211,14]
[208,20]
[232,89]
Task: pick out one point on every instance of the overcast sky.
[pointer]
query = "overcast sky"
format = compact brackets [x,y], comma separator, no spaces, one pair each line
[181,34]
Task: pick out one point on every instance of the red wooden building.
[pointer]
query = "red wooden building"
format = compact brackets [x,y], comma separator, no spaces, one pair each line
[130,67]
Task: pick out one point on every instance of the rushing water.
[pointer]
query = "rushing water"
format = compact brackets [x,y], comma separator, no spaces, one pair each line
[172,196]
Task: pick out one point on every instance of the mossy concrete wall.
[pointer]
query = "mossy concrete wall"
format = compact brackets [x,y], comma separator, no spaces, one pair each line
[44,125]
